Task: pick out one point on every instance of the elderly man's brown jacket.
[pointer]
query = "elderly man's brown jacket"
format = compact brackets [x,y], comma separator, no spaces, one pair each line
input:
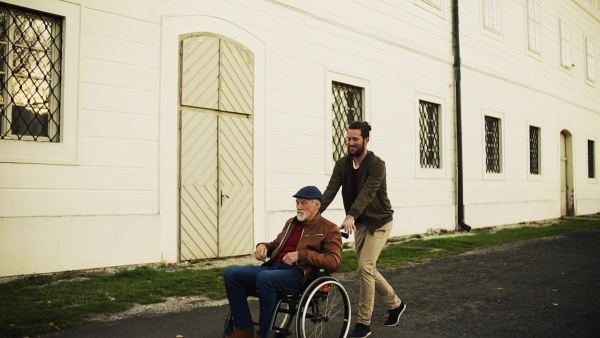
[320,245]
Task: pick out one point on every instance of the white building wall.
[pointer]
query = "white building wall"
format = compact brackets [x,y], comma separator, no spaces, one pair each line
[339,41]
[95,204]
[500,77]
[107,195]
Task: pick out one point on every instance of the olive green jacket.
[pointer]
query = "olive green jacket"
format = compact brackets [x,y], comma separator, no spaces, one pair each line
[372,204]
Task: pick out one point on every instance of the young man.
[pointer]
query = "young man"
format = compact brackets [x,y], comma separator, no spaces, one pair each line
[307,241]
[362,176]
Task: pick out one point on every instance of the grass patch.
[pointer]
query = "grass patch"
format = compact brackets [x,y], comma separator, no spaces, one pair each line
[40,304]
[417,249]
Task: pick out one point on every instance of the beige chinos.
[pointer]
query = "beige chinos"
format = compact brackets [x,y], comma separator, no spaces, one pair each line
[368,247]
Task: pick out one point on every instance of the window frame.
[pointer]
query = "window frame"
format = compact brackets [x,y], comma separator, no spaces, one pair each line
[493,7]
[6,124]
[420,172]
[565,46]
[332,75]
[534,50]
[65,151]
[501,149]
[540,175]
[590,67]
[592,139]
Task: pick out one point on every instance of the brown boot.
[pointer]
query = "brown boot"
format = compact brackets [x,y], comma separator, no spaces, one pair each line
[243,334]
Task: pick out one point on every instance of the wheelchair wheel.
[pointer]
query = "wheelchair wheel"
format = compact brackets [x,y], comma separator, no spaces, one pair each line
[324,310]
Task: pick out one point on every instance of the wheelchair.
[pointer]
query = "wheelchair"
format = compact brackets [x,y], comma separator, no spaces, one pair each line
[320,309]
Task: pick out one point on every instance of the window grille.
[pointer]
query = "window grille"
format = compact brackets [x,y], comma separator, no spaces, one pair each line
[565,44]
[591,169]
[429,134]
[590,63]
[534,150]
[30,80]
[534,27]
[491,18]
[347,106]
[492,144]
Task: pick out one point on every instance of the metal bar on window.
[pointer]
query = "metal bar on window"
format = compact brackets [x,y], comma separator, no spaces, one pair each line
[492,144]
[347,107]
[429,135]
[30,61]
[534,150]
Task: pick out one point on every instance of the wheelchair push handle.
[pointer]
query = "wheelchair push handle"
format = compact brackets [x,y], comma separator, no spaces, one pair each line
[345,234]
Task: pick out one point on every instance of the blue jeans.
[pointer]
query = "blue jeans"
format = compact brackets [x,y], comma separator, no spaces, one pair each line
[242,281]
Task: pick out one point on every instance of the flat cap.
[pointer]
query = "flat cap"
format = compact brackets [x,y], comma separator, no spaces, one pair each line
[310,193]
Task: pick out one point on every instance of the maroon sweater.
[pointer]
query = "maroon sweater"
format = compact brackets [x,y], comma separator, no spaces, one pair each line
[292,243]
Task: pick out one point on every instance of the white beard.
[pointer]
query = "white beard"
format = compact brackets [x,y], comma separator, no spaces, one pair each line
[301,216]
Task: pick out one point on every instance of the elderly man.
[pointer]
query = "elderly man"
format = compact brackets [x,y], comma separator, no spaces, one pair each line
[307,241]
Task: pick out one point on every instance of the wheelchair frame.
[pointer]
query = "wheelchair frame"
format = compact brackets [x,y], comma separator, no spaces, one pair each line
[320,309]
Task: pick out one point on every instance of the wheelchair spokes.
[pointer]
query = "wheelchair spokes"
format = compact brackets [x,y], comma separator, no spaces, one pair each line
[326,313]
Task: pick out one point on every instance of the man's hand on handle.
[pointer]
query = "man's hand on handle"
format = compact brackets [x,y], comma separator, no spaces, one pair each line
[348,224]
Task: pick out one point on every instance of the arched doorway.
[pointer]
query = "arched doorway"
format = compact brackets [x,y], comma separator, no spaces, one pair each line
[216,147]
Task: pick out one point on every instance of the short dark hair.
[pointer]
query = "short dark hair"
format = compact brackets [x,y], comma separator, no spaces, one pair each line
[363,126]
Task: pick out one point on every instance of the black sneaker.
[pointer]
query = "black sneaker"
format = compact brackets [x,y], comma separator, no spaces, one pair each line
[394,315]
[361,331]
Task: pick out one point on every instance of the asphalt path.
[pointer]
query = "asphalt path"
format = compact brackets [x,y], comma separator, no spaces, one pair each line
[547,287]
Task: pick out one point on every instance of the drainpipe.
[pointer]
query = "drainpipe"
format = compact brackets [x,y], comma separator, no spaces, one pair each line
[457,99]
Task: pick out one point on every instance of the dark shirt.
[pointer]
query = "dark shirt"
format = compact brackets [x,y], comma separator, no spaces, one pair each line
[355,185]
[357,220]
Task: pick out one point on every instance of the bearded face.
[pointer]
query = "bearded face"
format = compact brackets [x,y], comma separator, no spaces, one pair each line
[356,143]
[306,209]
[356,149]
[301,215]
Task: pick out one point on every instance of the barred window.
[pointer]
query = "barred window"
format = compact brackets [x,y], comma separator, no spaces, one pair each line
[30,79]
[492,144]
[491,15]
[591,167]
[429,134]
[534,150]
[533,25]
[347,106]
[565,45]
